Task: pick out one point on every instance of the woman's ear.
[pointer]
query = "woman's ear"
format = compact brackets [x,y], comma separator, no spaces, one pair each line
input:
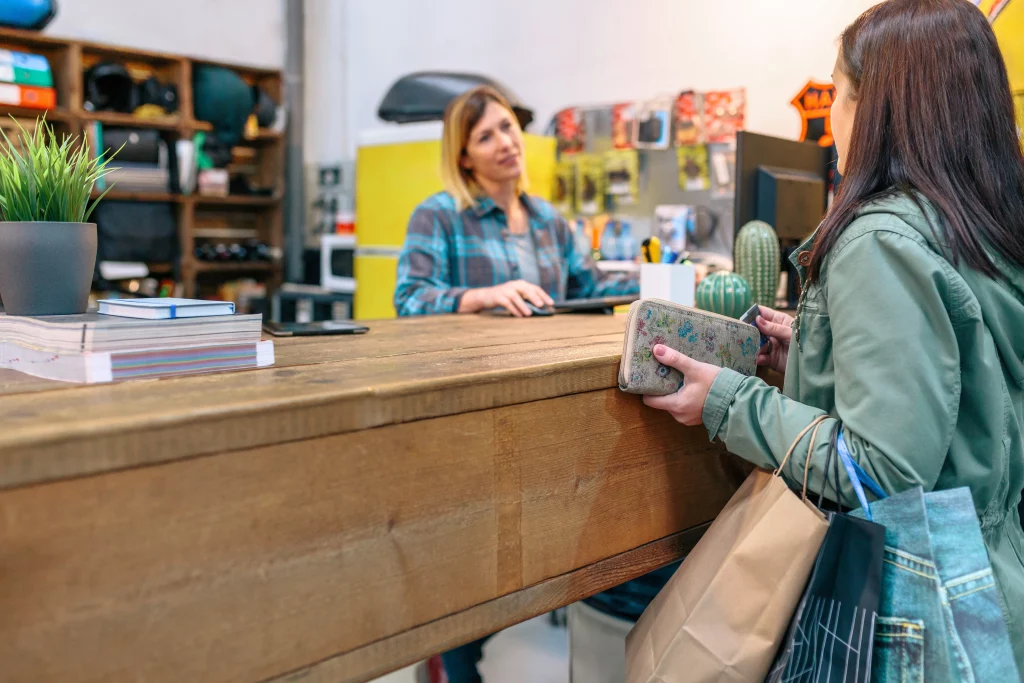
[465,163]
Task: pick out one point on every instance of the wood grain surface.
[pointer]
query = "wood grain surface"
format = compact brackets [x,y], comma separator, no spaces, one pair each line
[318,388]
[443,634]
[367,502]
[250,564]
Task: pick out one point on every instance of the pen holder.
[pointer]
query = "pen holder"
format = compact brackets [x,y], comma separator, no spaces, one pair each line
[669,282]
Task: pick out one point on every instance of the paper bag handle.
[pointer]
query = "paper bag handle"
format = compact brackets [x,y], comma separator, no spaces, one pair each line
[813,426]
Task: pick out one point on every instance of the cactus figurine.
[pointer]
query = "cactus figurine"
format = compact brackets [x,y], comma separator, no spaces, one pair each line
[724,293]
[757,261]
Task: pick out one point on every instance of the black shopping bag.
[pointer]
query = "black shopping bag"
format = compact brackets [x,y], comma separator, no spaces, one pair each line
[832,632]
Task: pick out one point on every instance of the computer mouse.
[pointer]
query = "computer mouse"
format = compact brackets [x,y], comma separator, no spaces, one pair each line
[535,310]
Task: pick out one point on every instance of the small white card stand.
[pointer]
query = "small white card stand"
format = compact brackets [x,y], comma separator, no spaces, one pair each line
[675,283]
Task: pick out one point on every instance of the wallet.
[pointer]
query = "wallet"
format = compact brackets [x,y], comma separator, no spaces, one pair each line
[703,336]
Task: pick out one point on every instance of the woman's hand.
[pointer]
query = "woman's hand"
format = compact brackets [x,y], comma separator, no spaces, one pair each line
[778,327]
[512,296]
[687,404]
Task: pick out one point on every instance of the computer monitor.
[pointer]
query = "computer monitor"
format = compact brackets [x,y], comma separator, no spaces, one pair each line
[785,184]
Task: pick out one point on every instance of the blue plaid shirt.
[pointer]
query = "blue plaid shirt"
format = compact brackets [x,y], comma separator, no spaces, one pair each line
[447,252]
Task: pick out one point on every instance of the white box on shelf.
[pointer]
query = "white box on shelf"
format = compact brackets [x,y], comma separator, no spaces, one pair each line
[671,282]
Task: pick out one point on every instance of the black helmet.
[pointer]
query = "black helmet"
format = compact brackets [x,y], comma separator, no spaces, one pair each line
[109,87]
[424,97]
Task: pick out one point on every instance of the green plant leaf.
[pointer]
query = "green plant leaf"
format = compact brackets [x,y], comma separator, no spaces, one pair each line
[49,178]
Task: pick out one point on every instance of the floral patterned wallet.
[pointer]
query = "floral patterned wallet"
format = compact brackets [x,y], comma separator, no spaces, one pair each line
[703,336]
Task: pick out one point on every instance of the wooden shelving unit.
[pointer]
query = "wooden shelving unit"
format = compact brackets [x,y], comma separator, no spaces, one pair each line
[256,215]
[111,118]
[138,196]
[235,200]
[58,115]
[233,267]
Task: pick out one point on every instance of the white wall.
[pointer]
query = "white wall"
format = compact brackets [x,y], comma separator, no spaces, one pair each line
[244,31]
[555,53]
[326,79]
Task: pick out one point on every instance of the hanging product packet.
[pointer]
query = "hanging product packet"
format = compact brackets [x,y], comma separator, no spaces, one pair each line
[623,125]
[688,119]
[724,114]
[622,176]
[563,195]
[570,131]
[590,184]
[694,174]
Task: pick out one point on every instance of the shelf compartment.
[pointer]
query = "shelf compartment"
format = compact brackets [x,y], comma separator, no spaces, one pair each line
[116,195]
[244,200]
[234,266]
[114,118]
[57,115]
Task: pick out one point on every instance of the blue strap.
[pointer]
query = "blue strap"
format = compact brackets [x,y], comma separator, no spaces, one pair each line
[866,479]
[858,477]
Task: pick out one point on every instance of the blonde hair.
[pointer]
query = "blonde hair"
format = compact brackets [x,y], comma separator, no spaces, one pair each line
[460,117]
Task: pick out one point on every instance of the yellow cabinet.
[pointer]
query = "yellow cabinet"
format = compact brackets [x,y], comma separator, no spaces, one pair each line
[376,272]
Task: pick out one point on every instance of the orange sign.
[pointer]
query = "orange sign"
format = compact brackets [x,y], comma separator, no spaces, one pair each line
[814,104]
[997,7]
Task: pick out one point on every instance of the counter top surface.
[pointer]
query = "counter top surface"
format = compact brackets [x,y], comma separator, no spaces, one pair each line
[365,503]
[452,363]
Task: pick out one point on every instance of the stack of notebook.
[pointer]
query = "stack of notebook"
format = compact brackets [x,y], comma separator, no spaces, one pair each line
[26,81]
[101,348]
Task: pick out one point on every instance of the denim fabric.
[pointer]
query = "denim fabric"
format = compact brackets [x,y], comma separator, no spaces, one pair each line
[940,619]
[979,642]
[460,663]
[909,642]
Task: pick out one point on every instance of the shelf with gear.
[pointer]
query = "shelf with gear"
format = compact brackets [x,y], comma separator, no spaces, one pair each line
[197,196]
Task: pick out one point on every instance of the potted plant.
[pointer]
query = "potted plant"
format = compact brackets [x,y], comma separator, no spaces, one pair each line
[47,247]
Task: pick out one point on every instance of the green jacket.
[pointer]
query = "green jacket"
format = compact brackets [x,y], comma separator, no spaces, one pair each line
[921,361]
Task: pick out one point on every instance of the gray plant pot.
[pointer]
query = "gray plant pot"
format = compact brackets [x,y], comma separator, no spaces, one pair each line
[46,268]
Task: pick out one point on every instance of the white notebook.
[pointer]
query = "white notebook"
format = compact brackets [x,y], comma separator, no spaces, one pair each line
[90,368]
[166,308]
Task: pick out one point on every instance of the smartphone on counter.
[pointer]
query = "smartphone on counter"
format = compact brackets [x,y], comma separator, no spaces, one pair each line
[323,327]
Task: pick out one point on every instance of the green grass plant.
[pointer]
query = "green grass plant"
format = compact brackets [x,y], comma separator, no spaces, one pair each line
[48,178]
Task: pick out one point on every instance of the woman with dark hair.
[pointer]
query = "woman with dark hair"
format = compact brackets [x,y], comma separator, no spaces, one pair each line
[910,328]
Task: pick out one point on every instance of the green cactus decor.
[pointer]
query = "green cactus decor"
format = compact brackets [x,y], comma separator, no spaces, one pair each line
[724,293]
[757,261]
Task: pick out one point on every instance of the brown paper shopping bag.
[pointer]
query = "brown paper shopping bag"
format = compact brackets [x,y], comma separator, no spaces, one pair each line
[724,613]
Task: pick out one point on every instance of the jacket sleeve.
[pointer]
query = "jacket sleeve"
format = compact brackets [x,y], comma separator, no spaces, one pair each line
[897,374]
[585,279]
[424,278]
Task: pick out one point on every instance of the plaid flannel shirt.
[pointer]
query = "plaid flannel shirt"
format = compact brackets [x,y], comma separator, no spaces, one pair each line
[447,252]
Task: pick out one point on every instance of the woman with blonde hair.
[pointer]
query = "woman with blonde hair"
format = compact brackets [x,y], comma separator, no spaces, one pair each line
[484,243]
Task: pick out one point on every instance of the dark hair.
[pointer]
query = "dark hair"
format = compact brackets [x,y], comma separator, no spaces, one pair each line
[935,119]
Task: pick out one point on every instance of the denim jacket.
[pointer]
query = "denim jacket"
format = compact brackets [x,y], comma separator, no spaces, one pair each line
[922,362]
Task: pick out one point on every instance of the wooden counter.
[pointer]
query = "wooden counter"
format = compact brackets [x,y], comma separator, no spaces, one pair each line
[365,503]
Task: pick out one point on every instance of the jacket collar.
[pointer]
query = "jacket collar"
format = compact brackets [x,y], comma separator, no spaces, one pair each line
[799,257]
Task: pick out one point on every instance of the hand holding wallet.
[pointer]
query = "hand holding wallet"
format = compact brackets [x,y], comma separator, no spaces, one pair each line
[703,336]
